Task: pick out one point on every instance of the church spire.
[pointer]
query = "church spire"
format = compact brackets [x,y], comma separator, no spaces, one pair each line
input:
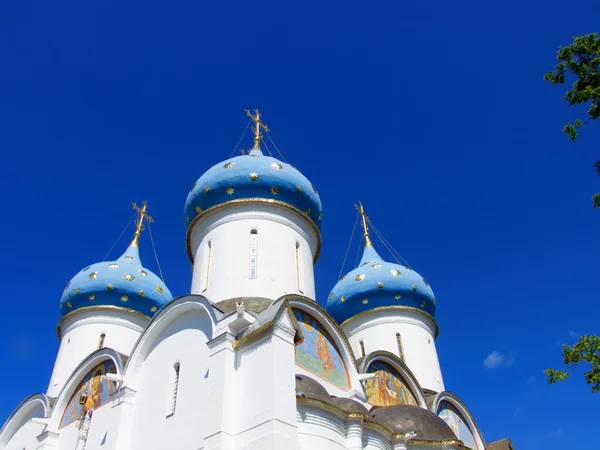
[139,223]
[257,126]
[364,217]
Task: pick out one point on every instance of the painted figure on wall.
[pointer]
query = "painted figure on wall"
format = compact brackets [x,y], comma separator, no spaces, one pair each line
[93,392]
[387,388]
[454,419]
[318,354]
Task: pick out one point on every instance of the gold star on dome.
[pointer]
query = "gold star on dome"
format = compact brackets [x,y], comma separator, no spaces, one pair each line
[254,176]
[395,272]
[342,299]
[193,187]
[275,190]
[143,272]
[228,165]
[425,282]
[320,217]
[207,188]
[69,304]
[423,303]
[314,189]
[109,287]
[87,268]
[124,298]
[141,293]
[344,277]
[67,286]
[129,277]
[298,189]
[93,275]
[365,301]
[364,264]
[129,258]
[414,287]
[330,296]
[379,284]
[198,209]
[276,166]
[230,190]
[91,296]
[307,211]
[153,309]
[77,291]
[376,265]
[397,297]
[159,289]
[360,277]
[113,266]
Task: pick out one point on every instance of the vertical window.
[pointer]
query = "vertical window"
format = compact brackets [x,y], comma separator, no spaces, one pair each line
[253,253]
[298,278]
[101,340]
[400,349]
[207,265]
[362,348]
[172,400]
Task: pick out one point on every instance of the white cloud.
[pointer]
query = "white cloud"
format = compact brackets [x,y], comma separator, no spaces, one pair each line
[496,359]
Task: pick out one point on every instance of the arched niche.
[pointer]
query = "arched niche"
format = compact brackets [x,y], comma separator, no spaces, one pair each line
[34,406]
[324,351]
[394,383]
[88,377]
[458,417]
[155,331]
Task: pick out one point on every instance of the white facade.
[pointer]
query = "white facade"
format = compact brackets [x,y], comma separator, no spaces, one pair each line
[253,250]
[81,334]
[399,330]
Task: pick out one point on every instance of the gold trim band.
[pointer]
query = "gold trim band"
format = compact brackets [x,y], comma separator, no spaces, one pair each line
[393,307]
[270,201]
[88,308]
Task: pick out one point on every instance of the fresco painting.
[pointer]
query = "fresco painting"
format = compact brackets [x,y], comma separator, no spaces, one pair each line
[93,392]
[318,354]
[453,418]
[387,388]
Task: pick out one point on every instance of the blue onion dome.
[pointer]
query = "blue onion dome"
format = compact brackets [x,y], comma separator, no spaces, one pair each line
[123,283]
[253,177]
[376,283]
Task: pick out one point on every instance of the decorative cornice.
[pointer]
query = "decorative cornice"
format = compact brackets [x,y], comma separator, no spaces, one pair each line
[93,307]
[251,200]
[392,308]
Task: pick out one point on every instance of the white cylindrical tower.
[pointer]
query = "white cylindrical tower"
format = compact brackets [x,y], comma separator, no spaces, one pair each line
[107,304]
[253,229]
[385,306]
[253,250]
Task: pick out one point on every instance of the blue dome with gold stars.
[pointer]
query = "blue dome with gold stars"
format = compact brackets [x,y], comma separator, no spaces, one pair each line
[253,178]
[376,283]
[123,283]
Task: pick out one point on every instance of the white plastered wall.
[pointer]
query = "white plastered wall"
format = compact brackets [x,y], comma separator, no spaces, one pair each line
[377,330]
[225,273]
[80,336]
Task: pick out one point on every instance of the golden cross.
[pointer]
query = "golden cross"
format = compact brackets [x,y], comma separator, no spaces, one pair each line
[258,125]
[139,223]
[361,211]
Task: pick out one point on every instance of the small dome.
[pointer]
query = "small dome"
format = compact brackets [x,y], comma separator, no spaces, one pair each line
[310,388]
[253,177]
[375,283]
[123,283]
[407,418]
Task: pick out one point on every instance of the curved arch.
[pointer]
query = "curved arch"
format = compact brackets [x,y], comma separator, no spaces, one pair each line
[455,401]
[22,414]
[73,381]
[397,364]
[322,316]
[165,316]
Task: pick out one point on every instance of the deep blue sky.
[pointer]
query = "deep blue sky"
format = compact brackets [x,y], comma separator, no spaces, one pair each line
[434,114]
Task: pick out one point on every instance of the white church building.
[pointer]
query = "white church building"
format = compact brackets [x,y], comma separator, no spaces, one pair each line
[248,359]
